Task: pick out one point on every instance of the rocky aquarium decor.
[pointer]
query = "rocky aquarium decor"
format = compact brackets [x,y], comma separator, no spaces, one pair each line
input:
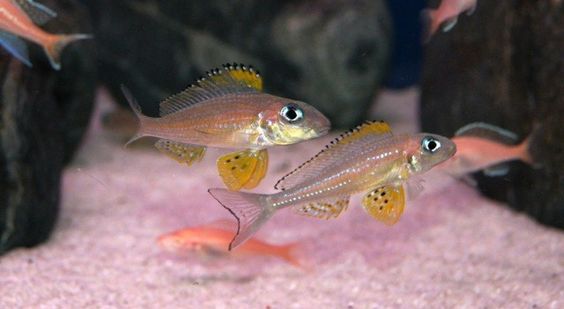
[505,65]
[43,115]
[331,54]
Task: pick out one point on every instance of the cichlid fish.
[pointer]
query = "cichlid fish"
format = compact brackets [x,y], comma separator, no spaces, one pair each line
[211,240]
[366,159]
[482,146]
[18,19]
[446,15]
[227,109]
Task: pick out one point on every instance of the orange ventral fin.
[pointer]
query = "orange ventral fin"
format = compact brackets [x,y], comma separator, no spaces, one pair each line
[243,169]
[338,150]
[385,203]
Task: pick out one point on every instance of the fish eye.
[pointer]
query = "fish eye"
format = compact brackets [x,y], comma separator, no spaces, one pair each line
[292,113]
[430,144]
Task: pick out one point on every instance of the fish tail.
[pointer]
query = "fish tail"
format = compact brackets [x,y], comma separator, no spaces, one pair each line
[430,23]
[251,211]
[137,110]
[289,254]
[523,152]
[55,47]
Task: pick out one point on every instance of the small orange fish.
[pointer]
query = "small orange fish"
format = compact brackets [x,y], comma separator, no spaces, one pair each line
[482,146]
[367,159]
[446,15]
[214,241]
[227,109]
[18,19]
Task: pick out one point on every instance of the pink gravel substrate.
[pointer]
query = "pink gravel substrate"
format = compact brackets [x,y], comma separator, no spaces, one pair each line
[452,247]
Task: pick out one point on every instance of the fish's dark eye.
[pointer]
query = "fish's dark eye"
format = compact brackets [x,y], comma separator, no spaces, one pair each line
[430,144]
[292,113]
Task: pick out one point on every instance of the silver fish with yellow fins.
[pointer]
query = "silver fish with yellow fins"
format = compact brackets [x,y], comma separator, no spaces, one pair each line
[227,109]
[367,159]
[18,19]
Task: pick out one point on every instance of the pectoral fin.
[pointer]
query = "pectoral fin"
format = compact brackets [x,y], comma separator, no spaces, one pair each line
[385,203]
[182,153]
[243,169]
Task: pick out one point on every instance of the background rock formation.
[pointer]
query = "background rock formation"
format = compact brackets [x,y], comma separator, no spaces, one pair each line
[504,65]
[43,115]
[331,54]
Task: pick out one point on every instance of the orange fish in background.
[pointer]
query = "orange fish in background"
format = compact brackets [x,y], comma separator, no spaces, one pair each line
[214,241]
[482,146]
[18,19]
[446,15]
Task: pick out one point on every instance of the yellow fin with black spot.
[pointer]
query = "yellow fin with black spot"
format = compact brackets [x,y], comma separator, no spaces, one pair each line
[231,79]
[325,209]
[338,150]
[385,203]
[182,153]
[245,74]
[243,169]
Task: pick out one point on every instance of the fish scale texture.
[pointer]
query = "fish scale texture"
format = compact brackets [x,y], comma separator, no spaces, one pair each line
[452,247]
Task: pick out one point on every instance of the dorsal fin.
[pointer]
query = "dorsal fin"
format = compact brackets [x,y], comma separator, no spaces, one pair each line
[37,12]
[336,151]
[488,131]
[232,78]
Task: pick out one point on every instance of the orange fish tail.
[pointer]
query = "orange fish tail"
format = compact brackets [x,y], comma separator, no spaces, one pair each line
[288,253]
[57,44]
[523,152]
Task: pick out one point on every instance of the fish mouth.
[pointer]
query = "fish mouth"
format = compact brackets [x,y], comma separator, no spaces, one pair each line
[321,132]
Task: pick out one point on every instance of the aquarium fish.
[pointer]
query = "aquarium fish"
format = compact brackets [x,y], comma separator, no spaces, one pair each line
[482,146]
[18,19]
[210,240]
[227,109]
[446,15]
[367,159]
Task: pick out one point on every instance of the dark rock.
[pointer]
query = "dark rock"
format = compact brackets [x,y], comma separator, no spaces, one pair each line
[43,115]
[504,65]
[331,54]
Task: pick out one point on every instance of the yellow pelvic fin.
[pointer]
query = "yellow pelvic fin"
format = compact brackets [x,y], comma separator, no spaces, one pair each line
[182,153]
[243,169]
[385,203]
[324,209]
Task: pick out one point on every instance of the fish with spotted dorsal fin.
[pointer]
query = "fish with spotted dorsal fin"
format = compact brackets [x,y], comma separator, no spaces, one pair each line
[227,109]
[367,159]
[19,20]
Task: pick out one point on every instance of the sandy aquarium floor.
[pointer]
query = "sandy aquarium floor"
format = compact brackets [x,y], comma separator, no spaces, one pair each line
[452,247]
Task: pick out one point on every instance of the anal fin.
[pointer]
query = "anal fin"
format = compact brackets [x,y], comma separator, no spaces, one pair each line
[243,169]
[325,209]
[182,153]
[385,203]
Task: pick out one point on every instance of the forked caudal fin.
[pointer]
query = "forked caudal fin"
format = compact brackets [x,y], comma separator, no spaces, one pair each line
[137,110]
[55,47]
[250,210]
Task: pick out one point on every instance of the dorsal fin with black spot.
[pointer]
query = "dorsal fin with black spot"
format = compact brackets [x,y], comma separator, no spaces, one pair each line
[231,79]
[338,150]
